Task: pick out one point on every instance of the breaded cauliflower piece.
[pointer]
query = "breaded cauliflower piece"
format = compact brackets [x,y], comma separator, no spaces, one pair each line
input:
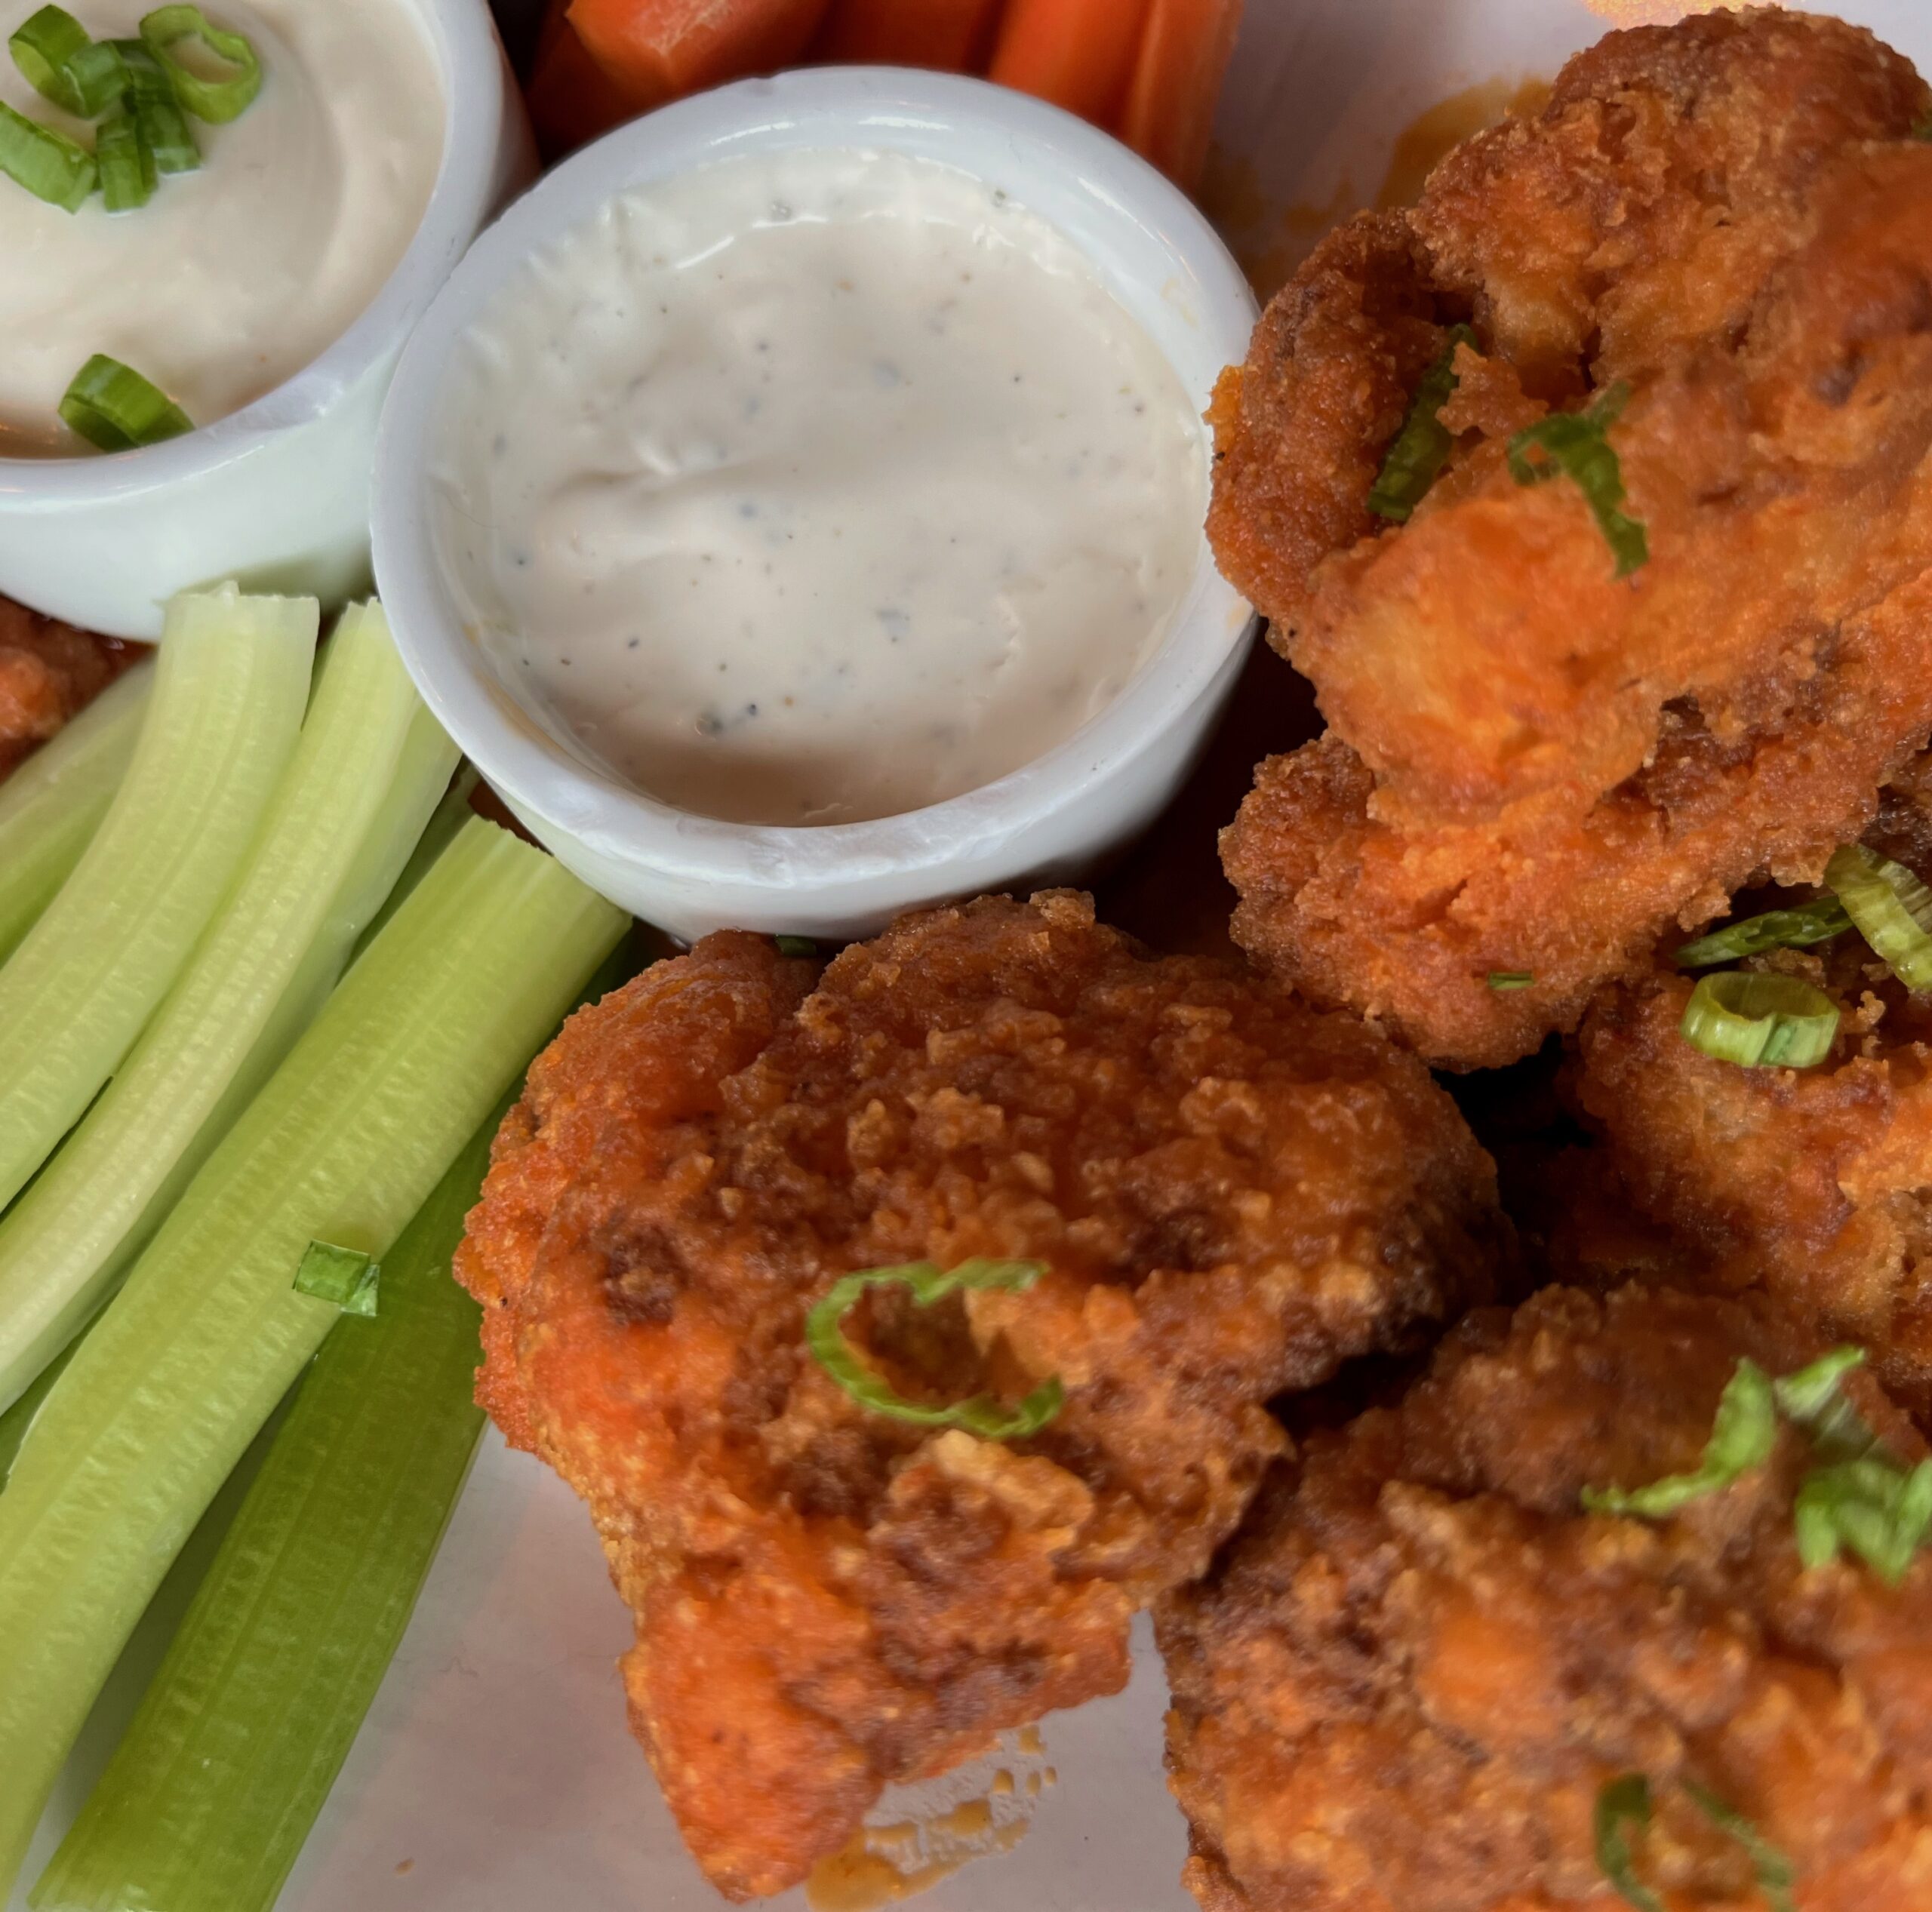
[1231,1193]
[1534,765]
[1405,1683]
[49,671]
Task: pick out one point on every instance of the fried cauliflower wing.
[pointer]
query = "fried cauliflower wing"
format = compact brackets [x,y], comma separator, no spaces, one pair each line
[1532,764]
[1230,1192]
[1403,1685]
[48,672]
[1815,1184]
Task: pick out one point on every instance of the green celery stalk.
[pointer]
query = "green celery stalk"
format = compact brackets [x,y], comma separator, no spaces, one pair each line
[209,1794]
[135,1667]
[420,770]
[450,815]
[208,1800]
[423,1034]
[14,1423]
[229,687]
[51,806]
[365,776]
[241,1731]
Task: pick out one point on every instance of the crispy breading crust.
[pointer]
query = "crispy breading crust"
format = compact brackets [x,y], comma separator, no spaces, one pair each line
[1638,214]
[1403,1685]
[1815,1184]
[1406,925]
[48,672]
[1532,764]
[1231,1192]
[1299,428]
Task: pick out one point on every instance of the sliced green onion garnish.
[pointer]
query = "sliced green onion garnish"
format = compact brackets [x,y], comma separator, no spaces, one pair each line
[1625,1802]
[127,170]
[1892,908]
[1923,131]
[64,64]
[1857,1497]
[1421,448]
[345,1278]
[114,408]
[346,1141]
[98,76]
[49,164]
[1774,929]
[51,806]
[981,1416]
[1742,1435]
[147,78]
[216,101]
[795,945]
[1806,1394]
[1622,1803]
[163,123]
[1511,978]
[1879,1509]
[1814,1399]
[164,128]
[1760,1021]
[1776,1875]
[1577,445]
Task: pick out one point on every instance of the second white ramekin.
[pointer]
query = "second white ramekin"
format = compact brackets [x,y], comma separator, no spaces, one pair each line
[276,494]
[1051,821]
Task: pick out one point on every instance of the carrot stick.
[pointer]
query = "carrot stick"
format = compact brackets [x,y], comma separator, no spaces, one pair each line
[1170,108]
[571,98]
[669,47]
[1078,54]
[953,36]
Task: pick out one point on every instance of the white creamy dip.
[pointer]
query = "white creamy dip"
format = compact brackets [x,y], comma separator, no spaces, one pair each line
[814,486]
[231,279]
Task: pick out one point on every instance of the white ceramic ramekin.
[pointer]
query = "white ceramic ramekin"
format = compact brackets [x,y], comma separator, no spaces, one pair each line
[1054,819]
[276,494]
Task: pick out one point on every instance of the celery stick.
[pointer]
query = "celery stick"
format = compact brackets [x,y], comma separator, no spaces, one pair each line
[424,763]
[238,1738]
[365,777]
[344,1145]
[134,1667]
[208,1797]
[229,687]
[451,814]
[14,1423]
[53,802]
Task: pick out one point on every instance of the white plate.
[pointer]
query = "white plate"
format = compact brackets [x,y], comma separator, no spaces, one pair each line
[498,1769]
[495,1773]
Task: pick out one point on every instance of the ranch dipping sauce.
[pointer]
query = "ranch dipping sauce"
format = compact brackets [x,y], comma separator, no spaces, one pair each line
[809,487]
[233,277]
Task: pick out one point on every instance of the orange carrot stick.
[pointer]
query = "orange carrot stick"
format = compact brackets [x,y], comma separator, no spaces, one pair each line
[571,98]
[669,47]
[953,36]
[1078,54]
[1170,108]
